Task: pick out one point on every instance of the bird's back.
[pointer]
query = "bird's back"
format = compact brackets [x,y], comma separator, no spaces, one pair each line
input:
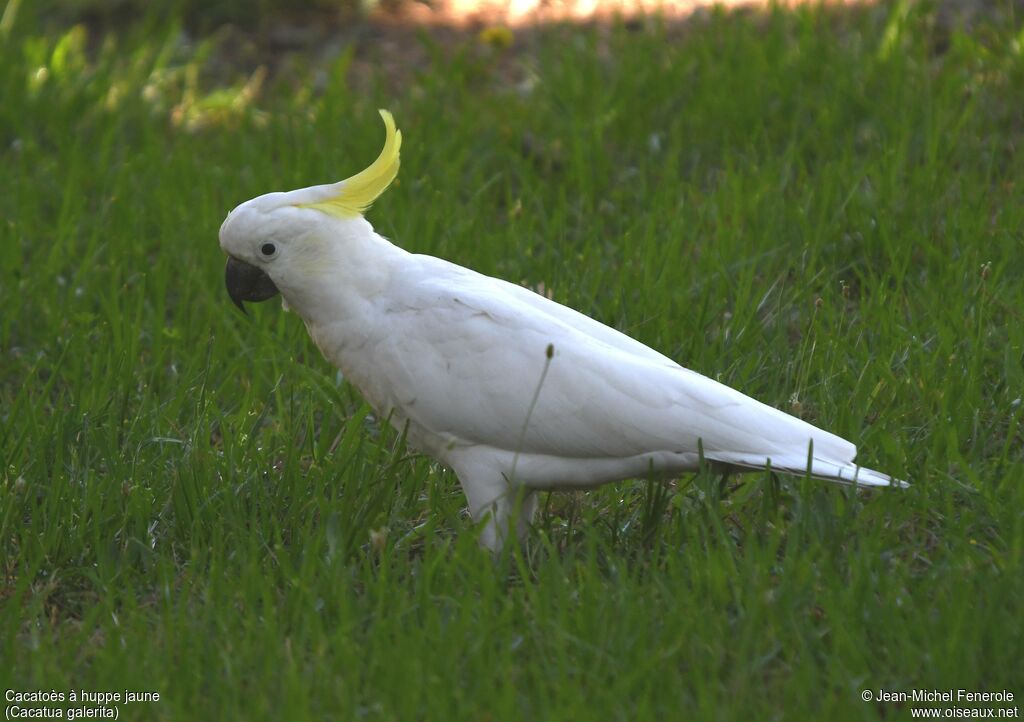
[469,353]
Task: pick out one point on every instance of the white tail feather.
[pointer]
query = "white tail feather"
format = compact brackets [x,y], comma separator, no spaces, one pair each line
[841,472]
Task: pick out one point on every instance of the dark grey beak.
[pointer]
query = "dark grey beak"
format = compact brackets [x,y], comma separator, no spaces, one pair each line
[245,282]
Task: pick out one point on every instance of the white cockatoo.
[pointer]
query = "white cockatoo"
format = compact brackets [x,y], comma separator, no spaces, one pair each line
[512,391]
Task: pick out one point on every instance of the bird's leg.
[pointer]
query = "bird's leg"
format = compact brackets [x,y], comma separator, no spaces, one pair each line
[512,511]
[501,507]
[723,484]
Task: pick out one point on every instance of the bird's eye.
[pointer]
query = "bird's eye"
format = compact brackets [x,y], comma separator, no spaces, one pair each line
[268,249]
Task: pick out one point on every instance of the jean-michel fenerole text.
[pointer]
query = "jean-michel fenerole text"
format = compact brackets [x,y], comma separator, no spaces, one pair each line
[942,695]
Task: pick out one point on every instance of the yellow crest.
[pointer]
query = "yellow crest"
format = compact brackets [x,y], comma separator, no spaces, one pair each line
[358,193]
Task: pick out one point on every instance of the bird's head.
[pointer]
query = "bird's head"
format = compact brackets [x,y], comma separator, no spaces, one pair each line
[274,241]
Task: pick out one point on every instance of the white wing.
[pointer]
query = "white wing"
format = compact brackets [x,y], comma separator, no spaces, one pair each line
[465,353]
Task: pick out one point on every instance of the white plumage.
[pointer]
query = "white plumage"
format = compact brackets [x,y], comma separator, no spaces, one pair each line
[511,390]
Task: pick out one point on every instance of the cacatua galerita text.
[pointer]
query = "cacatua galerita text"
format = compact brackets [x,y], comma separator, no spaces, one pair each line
[512,391]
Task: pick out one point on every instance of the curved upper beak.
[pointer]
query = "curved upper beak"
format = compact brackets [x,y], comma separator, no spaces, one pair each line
[246,282]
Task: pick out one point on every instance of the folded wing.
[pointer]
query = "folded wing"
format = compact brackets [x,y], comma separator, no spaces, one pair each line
[468,361]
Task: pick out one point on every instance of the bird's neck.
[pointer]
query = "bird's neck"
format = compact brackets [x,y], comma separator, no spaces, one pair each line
[347,275]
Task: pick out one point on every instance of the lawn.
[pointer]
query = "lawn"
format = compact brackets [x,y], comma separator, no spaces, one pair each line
[821,208]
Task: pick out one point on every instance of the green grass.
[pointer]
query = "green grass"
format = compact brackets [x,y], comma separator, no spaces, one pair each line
[820,209]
